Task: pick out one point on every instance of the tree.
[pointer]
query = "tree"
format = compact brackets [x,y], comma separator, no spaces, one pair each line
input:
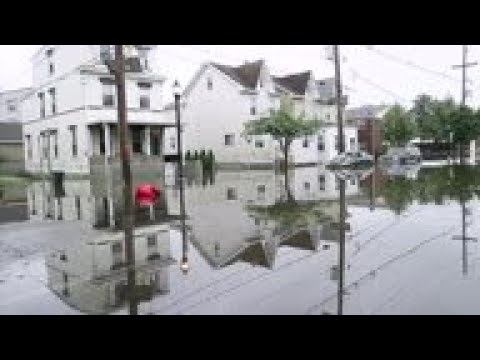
[422,112]
[284,126]
[399,126]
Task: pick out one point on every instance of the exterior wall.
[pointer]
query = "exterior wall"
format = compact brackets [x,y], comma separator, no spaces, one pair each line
[14,98]
[211,114]
[367,129]
[11,152]
[79,102]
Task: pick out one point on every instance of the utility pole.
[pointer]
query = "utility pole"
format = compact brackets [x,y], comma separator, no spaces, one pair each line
[338,88]
[119,70]
[464,66]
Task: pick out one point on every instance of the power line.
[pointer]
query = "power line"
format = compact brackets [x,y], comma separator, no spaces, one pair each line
[377,86]
[411,64]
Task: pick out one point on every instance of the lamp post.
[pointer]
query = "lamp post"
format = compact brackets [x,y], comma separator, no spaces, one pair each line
[177,94]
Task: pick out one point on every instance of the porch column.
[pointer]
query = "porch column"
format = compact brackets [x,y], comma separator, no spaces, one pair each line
[111,214]
[146,141]
[106,136]
[473,152]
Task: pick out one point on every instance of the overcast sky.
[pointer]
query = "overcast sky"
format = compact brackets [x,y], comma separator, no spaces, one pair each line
[372,75]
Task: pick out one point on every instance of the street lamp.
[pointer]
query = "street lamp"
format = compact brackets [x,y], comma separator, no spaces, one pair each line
[184,266]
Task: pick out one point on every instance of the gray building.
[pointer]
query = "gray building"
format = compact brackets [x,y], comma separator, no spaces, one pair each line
[11,138]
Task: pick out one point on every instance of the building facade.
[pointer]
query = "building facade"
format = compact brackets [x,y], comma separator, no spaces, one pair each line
[220,99]
[369,120]
[70,114]
[11,139]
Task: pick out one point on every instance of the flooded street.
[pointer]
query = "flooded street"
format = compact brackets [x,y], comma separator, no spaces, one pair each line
[407,244]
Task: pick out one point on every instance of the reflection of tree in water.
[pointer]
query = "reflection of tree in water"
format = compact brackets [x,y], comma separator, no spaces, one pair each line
[433,185]
[290,214]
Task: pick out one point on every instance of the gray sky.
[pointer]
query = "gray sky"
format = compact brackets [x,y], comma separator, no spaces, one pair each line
[380,79]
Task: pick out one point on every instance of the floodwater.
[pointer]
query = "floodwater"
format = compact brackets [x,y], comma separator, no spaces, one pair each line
[383,241]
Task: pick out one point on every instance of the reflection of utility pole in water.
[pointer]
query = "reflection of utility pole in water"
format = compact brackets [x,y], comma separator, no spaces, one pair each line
[341,253]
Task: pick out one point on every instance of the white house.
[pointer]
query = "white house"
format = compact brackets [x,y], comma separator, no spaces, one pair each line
[70,115]
[226,227]
[220,99]
[11,140]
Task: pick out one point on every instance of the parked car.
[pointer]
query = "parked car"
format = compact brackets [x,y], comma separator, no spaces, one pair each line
[408,155]
[351,159]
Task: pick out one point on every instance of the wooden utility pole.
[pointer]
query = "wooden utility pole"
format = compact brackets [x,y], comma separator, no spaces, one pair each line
[338,89]
[464,66]
[128,214]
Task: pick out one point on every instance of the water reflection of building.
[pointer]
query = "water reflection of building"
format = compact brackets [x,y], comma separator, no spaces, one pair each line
[243,216]
[91,276]
[88,270]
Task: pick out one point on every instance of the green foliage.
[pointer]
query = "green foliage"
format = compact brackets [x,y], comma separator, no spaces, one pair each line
[464,123]
[433,185]
[399,126]
[195,155]
[436,119]
[283,124]
[202,155]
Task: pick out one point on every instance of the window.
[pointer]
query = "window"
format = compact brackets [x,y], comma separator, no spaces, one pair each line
[53,100]
[41,96]
[231,194]
[321,143]
[144,89]
[261,192]
[352,144]
[49,53]
[136,139]
[209,84]
[173,142]
[321,181]
[73,132]
[336,142]
[229,140]
[51,68]
[144,101]
[60,209]
[108,95]
[77,207]
[253,110]
[306,186]
[352,181]
[327,117]
[259,144]
[28,146]
[151,241]
[337,183]
[11,106]
[306,142]
[54,136]
[34,210]
[117,248]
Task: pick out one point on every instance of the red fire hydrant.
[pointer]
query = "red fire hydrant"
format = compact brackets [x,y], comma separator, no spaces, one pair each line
[146,194]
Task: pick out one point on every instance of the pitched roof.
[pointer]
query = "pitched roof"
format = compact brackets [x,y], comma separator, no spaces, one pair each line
[10,132]
[296,83]
[255,254]
[366,111]
[246,75]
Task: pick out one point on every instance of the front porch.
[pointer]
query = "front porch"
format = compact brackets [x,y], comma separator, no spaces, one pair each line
[145,140]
